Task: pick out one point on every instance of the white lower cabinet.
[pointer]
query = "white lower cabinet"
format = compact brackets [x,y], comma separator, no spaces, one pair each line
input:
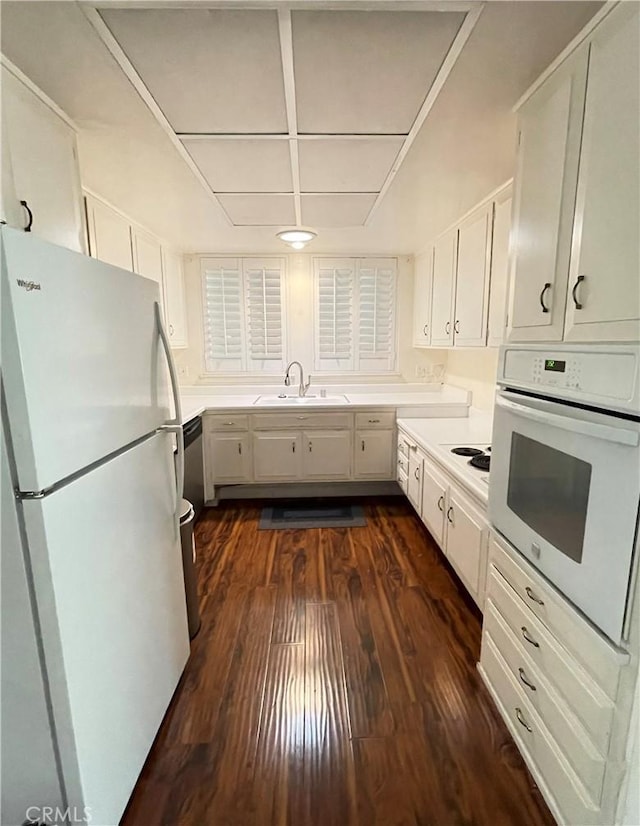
[277,456]
[458,526]
[374,454]
[228,457]
[326,454]
[434,497]
[558,684]
[466,544]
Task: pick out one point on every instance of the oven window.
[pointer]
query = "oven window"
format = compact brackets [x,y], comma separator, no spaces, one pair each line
[549,490]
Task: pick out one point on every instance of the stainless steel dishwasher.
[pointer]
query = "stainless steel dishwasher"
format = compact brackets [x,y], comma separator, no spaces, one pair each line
[193,463]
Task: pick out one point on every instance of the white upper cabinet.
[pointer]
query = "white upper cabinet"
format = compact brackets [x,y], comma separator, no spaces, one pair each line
[499,280]
[147,259]
[550,125]
[422,299]
[444,284]
[575,243]
[109,234]
[174,296]
[604,277]
[472,279]
[39,167]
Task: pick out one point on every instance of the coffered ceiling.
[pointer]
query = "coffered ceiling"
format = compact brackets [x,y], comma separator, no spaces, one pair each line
[288,116]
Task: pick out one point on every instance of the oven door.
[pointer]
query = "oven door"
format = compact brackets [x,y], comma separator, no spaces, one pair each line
[565,486]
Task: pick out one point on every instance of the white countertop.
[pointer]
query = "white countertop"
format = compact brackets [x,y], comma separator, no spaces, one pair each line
[436,437]
[440,402]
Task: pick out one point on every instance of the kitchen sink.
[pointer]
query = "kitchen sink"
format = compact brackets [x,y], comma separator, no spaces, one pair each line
[305,401]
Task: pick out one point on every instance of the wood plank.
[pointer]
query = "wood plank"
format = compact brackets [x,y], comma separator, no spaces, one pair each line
[289,574]
[329,776]
[280,753]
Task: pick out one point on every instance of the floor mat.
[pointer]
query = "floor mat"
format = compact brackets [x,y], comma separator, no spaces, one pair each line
[306,515]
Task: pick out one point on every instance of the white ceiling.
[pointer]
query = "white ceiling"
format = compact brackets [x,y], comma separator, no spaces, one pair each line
[220,75]
[464,148]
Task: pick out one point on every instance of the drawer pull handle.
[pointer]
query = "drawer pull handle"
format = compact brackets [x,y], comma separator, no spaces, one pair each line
[425,329]
[416,473]
[310,447]
[240,448]
[362,445]
[228,424]
[533,597]
[523,679]
[302,418]
[293,447]
[374,421]
[441,504]
[449,512]
[522,721]
[546,287]
[529,639]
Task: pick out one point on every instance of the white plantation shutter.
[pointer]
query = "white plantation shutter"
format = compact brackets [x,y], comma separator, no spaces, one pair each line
[355,314]
[377,302]
[334,282]
[243,315]
[263,301]
[222,299]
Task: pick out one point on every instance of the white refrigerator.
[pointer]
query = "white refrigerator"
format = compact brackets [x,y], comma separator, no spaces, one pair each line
[96,643]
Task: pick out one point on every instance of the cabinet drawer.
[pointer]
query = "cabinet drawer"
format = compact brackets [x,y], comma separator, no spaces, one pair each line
[403,465]
[222,422]
[586,760]
[588,702]
[402,480]
[403,447]
[375,420]
[301,421]
[535,742]
[571,630]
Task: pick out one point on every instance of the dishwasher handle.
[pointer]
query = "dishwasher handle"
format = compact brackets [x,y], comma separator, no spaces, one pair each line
[192,430]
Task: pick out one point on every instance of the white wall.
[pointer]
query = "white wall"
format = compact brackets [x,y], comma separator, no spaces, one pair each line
[299,318]
[474,370]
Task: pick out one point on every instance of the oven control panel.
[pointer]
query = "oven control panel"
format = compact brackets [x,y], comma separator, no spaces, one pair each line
[597,374]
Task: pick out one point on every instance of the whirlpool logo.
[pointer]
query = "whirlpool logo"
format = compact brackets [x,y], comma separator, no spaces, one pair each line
[28,285]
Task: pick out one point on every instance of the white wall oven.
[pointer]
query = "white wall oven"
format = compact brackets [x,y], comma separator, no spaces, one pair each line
[565,470]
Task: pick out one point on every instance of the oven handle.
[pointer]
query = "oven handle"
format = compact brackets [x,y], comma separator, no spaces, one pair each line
[598,431]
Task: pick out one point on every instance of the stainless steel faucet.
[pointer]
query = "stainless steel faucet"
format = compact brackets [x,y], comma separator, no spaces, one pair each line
[302,388]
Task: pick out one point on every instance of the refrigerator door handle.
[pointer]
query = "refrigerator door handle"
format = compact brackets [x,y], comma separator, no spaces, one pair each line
[175,425]
[172,368]
[177,429]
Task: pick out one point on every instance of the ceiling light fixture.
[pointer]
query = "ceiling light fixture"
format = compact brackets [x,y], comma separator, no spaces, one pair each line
[296,238]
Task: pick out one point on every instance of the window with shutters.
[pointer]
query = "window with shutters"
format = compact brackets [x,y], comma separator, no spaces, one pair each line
[243,315]
[355,303]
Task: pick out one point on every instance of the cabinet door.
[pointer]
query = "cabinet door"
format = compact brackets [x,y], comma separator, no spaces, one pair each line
[434,501]
[466,545]
[228,457]
[109,235]
[603,303]
[174,297]
[277,456]
[326,454]
[422,300]
[498,282]
[472,279]
[550,127]
[444,284]
[374,454]
[414,479]
[44,166]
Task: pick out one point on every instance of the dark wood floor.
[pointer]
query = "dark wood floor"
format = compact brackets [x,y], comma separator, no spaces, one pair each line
[333,682]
